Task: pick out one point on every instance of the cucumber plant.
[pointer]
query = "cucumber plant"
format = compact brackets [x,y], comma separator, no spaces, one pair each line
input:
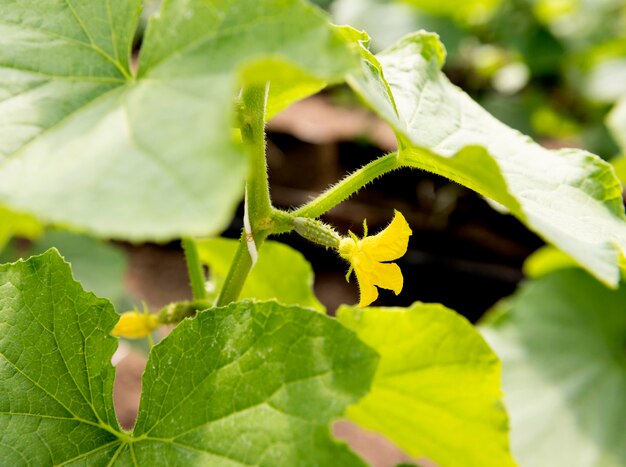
[166,150]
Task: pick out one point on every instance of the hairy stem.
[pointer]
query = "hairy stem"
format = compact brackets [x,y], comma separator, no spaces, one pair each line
[194,268]
[348,186]
[253,134]
[259,207]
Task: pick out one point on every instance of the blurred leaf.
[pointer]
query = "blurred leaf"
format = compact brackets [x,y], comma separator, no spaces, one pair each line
[620,169]
[386,21]
[281,272]
[151,156]
[436,392]
[606,82]
[616,122]
[547,122]
[17,224]
[581,24]
[561,342]
[545,260]
[468,11]
[516,28]
[596,137]
[99,267]
[514,110]
[570,197]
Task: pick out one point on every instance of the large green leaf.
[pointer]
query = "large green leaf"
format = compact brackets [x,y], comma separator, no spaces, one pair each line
[561,339]
[569,197]
[436,392]
[56,377]
[151,156]
[281,272]
[249,384]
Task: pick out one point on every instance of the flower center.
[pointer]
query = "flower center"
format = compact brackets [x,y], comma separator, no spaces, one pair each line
[347,248]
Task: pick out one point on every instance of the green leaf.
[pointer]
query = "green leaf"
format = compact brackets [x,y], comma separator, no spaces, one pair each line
[616,121]
[545,260]
[248,384]
[619,164]
[281,272]
[606,81]
[266,380]
[436,392]
[570,197]
[561,341]
[98,266]
[152,156]
[56,378]
[17,224]
[469,11]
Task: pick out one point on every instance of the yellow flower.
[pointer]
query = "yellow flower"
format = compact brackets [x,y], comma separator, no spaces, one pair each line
[135,325]
[366,257]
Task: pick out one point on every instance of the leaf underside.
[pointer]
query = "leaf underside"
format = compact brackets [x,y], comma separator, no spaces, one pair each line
[281,272]
[151,156]
[561,341]
[569,197]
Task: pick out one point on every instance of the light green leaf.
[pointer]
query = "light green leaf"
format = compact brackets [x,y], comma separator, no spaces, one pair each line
[545,260]
[56,378]
[616,121]
[281,272]
[561,341]
[606,81]
[248,384]
[468,11]
[570,197]
[619,163]
[384,21]
[152,156]
[17,224]
[266,380]
[436,392]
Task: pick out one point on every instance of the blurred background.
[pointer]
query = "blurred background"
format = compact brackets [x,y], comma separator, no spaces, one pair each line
[553,69]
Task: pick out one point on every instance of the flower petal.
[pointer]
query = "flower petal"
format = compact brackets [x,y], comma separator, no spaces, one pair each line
[391,243]
[368,293]
[370,273]
[388,276]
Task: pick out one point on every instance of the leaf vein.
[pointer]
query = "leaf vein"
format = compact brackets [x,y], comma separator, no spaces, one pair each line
[89,453]
[52,396]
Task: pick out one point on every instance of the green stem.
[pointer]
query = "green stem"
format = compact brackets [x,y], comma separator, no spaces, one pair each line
[237,274]
[253,134]
[348,186]
[150,341]
[194,268]
[259,207]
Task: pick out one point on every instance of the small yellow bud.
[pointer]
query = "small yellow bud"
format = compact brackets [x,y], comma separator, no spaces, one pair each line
[135,325]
